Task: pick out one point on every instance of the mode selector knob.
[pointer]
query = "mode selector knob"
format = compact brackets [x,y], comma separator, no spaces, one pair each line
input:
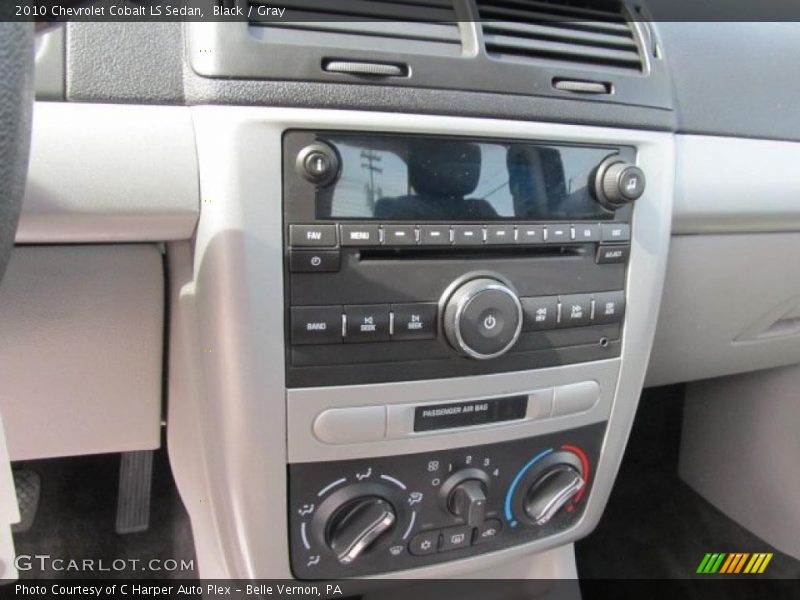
[357,525]
[618,182]
[482,318]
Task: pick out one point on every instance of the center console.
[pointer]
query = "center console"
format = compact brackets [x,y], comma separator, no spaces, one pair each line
[441,327]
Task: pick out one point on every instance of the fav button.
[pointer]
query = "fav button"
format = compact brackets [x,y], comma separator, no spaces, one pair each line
[414,321]
[367,323]
[312,235]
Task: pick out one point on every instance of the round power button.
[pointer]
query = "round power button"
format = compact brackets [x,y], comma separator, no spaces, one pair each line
[483,318]
[318,163]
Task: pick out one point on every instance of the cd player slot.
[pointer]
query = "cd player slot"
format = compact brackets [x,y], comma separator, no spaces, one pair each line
[450,253]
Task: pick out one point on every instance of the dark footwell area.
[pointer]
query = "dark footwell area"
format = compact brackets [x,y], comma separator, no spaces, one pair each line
[655,526]
[76,520]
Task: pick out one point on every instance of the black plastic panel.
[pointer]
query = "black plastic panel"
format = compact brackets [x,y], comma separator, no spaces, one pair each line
[413,484]
[377,276]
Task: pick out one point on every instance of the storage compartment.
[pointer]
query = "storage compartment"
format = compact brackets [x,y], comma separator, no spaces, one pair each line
[81,345]
[731,304]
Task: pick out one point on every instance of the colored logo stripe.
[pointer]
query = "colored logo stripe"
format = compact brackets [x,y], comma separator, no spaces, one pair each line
[734,563]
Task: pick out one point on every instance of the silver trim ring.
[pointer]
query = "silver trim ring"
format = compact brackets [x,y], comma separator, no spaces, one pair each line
[461,306]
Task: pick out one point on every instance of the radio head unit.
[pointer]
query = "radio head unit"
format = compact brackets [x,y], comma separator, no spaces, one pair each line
[461,256]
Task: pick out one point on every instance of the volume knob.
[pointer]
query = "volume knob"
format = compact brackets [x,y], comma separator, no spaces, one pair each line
[483,318]
[618,183]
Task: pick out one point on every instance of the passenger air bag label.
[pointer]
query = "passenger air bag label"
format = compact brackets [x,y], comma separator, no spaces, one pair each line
[466,414]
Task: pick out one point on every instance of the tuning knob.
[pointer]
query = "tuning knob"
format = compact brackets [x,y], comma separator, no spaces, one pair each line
[483,318]
[357,525]
[617,183]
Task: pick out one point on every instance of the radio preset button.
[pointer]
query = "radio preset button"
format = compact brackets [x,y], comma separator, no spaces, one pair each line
[309,261]
[575,310]
[312,235]
[558,234]
[399,235]
[360,235]
[467,235]
[607,255]
[316,324]
[530,234]
[500,234]
[367,323]
[616,232]
[539,313]
[434,235]
[609,307]
[587,232]
[414,321]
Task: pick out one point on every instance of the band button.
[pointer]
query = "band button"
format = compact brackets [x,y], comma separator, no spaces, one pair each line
[316,324]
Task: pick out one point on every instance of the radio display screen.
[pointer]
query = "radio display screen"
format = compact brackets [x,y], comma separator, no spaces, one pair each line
[405,178]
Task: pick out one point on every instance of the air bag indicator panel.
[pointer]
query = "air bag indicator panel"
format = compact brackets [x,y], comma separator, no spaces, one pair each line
[466,414]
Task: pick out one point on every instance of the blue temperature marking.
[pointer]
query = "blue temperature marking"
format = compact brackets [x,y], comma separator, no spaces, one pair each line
[519,475]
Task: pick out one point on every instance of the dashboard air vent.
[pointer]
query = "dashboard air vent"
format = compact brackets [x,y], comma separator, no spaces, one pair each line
[593,33]
[397,25]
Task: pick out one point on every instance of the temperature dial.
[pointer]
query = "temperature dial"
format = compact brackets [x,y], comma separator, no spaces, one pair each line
[546,485]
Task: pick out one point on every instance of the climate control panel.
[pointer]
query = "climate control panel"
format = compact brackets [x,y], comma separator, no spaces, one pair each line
[368,516]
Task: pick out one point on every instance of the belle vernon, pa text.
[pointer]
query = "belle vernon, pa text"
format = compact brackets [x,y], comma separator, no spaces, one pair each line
[135,589]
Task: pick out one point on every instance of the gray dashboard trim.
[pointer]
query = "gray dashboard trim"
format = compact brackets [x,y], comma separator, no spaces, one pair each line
[110,173]
[735,185]
[236,297]
[732,78]
[117,63]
